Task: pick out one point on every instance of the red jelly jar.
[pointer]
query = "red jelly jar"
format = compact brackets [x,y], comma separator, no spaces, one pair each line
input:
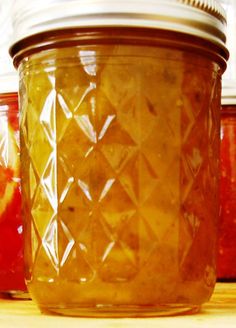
[11,239]
[227,226]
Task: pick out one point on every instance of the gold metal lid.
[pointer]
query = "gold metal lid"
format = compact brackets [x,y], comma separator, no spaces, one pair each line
[202,18]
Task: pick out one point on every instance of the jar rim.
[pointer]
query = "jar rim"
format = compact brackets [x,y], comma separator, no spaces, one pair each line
[202,18]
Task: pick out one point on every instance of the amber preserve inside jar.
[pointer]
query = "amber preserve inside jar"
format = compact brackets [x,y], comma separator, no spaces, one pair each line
[120,153]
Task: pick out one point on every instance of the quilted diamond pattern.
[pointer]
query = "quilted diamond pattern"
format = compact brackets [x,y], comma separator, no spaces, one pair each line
[120,155]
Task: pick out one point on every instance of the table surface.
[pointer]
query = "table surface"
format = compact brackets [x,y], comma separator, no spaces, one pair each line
[219,312]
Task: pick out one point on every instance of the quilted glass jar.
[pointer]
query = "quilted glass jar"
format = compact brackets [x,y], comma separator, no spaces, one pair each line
[227,226]
[12,282]
[11,238]
[120,153]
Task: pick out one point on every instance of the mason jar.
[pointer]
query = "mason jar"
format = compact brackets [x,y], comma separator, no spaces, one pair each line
[119,112]
[12,283]
[227,225]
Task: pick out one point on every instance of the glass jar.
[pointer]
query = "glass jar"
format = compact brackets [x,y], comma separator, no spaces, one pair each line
[11,239]
[12,283]
[227,227]
[120,153]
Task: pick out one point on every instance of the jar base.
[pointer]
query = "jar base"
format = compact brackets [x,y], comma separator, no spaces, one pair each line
[104,311]
[15,294]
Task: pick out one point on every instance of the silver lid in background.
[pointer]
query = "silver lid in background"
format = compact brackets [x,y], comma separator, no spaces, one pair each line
[202,18]
[229,76]
[228,96]
[9,83]
[8,74]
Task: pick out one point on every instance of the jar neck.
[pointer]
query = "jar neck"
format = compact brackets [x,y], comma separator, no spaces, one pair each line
[116,35]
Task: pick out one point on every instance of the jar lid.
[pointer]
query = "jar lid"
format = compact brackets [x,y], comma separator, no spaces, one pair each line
[8,74]
[9,83]
[230,9]
[228,92]
[202,18]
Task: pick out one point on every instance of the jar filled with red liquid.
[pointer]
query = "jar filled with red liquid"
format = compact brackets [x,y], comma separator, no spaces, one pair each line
[11,238]
[12,282]
[227,226]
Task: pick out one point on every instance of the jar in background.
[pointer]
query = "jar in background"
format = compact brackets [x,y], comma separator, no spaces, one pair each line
[227,226]
[12,283]
[120,151]
[11,243]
